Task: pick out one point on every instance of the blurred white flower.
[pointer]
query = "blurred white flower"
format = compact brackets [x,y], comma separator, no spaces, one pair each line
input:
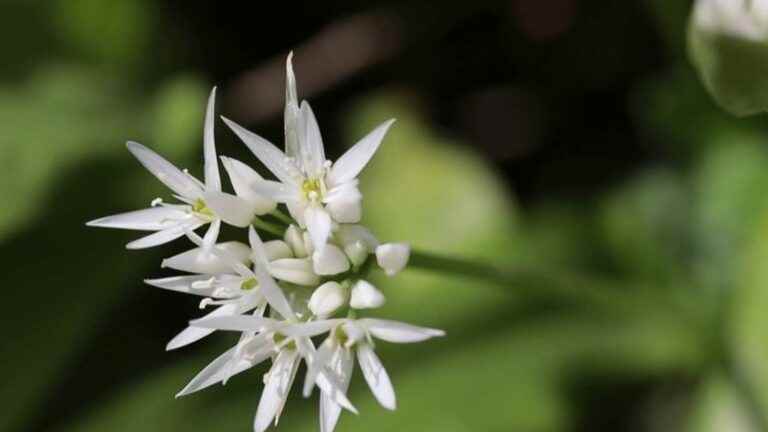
[318,193]
[327,299]
[366,296]
[738,18]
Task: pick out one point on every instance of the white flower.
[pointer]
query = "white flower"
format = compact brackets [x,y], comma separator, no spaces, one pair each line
[318,193]
[289,342]
[356,337]
[738,18]
[366,296]
[327,299]
[393,257]
[171,221]
[222,276]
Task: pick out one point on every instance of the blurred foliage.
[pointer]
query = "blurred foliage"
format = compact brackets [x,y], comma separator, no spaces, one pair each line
[672,249]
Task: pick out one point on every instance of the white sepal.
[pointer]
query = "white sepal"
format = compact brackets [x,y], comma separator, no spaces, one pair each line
[366,296]
[294,270]
[376,376]
[327,298]
[329,260]
[393,257]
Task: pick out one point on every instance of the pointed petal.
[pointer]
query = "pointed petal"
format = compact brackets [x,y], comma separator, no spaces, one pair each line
[399,332]
[376,376]
[268,154]
[276,191]
[199,260]
[258,250]
[230,208]
[311,143]
[274,294]
[241,323]
[318,224]
[165,171]
[212,235]
[194,334]
[243,179]
[342,365]
[212,178]
[310,328]
[349,165]
[182,284]
[164,236]
[291,114]
[276,389]
[322,358]
[213,373]
[151,219]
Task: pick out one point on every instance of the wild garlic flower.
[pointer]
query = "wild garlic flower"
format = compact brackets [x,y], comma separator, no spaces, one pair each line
[317,193]
[307,283]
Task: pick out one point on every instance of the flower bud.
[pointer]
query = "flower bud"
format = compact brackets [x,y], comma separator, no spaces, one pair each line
[357,252]
[327,298]
[357,241]
[330,261]
[308,245]
[366,296]
[345,210]
[294,239]
[200,261]
[294,270]
[392,257]
[277,249]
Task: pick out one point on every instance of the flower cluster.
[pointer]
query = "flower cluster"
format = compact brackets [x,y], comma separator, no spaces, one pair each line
[304,285]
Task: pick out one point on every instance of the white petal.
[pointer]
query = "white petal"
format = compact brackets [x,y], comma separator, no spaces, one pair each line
[258,251]
[243,179]
[393,257]
[294,270]
[327,299]
[277,249]
[366,296]
[294,238]
[194,334]
[291,114]
[212,234]
[341,364]
[309,328]
[151,219]
[296,210]
[274,294]
[276,191]
[268,154]
[349,165]
[345,210]
[211,374]
[231,209]
[212,178]
[164,236]
[399,332]
[318,224]
[329,260]
[353,233]
[311,143]
[219,370]
[165,171]
[376,376]
[276,389]
[200,261]
[242,323]
[182,284]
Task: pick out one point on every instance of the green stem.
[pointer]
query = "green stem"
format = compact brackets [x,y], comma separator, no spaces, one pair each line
[268,227]
[548,284]
[281,216]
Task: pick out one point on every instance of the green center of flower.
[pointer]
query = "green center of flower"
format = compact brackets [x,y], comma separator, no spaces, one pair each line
[279,338]
[201,208]
[249,284]
[312,188]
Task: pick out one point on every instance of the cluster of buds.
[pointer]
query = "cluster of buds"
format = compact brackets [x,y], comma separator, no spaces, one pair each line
[298,294]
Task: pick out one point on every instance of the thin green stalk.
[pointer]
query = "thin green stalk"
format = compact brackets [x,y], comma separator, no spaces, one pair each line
[268,227]
[281,216]
[555,284]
